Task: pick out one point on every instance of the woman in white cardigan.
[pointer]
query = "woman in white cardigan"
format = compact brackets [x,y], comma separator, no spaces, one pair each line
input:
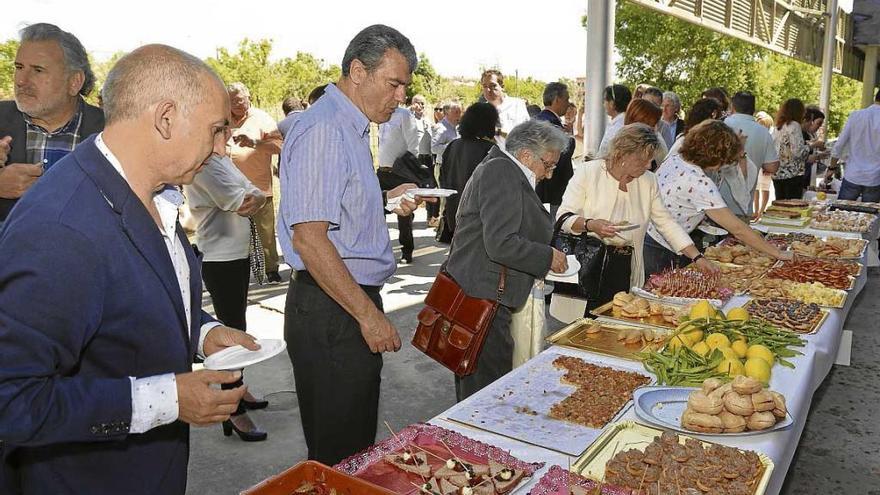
[615,189]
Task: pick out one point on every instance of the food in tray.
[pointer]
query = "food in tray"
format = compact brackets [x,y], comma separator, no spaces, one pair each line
[776,212]
[560,481]
[832,247]
[739,255]
[812,292]
[688,468]
[738,406]
[784,241]
[314,488]
[632,306]
[794,315]
[712,346]
[688,283]
[790,203]
[831,273]
[843,221]
[600,394]
[638,336]
[416,463]
[739,278]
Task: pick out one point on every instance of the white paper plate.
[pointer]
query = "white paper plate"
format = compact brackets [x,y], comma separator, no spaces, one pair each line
[629,226]
[570,275]
[431,193]
[237,357]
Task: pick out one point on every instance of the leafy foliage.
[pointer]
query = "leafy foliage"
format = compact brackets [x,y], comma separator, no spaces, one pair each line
[7,67]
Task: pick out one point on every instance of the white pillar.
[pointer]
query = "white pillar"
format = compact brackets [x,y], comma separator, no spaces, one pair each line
[828,55]
[869,79]
[600,68]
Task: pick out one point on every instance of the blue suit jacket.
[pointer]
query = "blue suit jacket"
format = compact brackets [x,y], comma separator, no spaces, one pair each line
[89,297]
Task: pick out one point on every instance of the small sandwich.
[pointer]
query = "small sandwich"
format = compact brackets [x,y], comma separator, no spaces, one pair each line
[411,463]
[457,467]
[790,203]
[504,478]
[448,488]
[431,487]
[781,213]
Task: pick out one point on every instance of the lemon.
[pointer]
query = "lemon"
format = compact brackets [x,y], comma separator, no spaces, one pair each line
[692,334]
[758,369]
[740,348]
[702,310]
[760,351]
[732,367]
[701,348]
[729,353]
[738,314]
[717,340]
[678,341]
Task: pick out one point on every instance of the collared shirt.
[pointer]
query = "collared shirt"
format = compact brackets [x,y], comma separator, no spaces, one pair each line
[613,128]
[759,143]
[667,132]
[154,398]
[397,136]
[860,140]
[443,134]
[424,129]
[47,147]
[327,175]
[532,178]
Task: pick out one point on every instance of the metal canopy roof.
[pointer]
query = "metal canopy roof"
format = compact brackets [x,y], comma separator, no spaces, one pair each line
[794,28]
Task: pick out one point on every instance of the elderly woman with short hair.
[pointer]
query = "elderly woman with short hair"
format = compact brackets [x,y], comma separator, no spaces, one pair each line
[619,188]
[502,227]
[690,195]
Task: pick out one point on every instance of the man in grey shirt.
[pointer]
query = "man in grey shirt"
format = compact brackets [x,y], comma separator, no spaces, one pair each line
[759,145]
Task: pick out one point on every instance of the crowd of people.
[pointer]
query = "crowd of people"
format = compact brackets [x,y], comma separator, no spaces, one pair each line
[101,289]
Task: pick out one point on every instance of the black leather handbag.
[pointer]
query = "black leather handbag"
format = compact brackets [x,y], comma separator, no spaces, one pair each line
[590,253]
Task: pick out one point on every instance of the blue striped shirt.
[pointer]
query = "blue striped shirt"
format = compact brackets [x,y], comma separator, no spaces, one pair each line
[327,176]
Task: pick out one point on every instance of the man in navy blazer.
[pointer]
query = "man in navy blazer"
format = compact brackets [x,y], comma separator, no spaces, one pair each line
[550,190]
[100,296]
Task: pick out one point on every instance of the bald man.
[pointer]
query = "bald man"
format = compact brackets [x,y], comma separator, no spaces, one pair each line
[96,387]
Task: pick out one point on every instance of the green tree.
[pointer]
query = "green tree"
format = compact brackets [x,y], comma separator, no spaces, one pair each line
[8,50]
[425,80]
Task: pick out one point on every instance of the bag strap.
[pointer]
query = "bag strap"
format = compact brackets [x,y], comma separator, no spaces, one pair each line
[558,225]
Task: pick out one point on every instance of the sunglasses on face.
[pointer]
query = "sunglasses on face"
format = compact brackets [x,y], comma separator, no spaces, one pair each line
[438,109]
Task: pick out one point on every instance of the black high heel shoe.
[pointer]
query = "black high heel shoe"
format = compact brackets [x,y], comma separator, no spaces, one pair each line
[247,436]
[256,404]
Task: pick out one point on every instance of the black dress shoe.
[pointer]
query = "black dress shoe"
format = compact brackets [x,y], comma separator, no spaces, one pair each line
[255,404]
[247,436]
[406,258]
[273,277]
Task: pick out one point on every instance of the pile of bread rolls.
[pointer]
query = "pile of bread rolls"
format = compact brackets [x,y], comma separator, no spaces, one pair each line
[734,407]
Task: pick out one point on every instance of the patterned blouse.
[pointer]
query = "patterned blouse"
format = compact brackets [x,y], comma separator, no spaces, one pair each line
[792,150]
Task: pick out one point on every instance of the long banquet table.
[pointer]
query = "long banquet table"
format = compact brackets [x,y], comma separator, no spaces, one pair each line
[798,385]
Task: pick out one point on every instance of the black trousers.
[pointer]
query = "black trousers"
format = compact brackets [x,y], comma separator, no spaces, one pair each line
[657,258]
[792,188]
[432,208]
[495,360]
[337,377]
[405,227]
[227,282]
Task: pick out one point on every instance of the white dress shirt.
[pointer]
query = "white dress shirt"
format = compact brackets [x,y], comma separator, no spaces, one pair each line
[154,398]
[397,136]
[613,128]
[860,144]
[423,126]
[530,176]
[511,112]
[443,134]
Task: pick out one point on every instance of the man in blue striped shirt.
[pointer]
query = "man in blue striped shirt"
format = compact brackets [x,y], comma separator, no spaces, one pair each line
[333,233]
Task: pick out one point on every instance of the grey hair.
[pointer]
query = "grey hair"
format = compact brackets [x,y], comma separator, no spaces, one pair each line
[75,56]
[238,88]
[632,139]
[449,105]
[150,74]
[673,98]
[552,91]
[537,136]
[370,45]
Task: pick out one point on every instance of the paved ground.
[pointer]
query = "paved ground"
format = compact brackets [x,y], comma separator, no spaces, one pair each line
[839,451]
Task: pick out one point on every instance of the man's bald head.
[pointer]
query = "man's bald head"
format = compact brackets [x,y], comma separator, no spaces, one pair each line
[153,73]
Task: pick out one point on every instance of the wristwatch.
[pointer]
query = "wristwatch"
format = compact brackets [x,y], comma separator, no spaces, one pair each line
[697,258]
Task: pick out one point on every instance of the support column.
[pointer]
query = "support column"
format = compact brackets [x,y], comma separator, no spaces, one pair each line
[869,78]
[600,68]
[828,48]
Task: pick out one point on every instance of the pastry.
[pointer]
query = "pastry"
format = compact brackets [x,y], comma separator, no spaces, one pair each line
[703,423]
[738,404]
[733,423]
[761,421]
[779,408]
[699,402]
[745,385]
[763,401]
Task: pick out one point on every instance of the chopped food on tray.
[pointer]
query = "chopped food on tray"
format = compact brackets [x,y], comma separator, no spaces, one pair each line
[831,273]
[794,315]
[688,283]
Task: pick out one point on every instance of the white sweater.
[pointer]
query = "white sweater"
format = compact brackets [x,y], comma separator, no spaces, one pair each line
[592,192]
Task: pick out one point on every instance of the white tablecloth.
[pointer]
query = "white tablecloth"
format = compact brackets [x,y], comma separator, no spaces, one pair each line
[798,386]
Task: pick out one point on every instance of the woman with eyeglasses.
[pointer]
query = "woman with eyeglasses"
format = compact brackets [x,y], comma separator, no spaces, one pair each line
[613,200]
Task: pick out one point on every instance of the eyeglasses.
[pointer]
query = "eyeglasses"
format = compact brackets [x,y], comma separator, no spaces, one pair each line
[549,165]
[438,109]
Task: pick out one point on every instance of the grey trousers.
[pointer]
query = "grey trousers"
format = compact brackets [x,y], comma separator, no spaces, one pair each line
[496,359]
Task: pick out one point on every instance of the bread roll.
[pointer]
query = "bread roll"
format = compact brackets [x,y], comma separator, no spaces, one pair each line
[745,385]
[710,385]
[761,421]
[733,423]
[779,409]
[622,298]
[702,403]
[702,423]
[763,401]
[738,404]
[721,391]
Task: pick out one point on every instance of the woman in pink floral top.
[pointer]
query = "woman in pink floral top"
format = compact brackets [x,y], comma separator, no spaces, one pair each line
[792,150]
